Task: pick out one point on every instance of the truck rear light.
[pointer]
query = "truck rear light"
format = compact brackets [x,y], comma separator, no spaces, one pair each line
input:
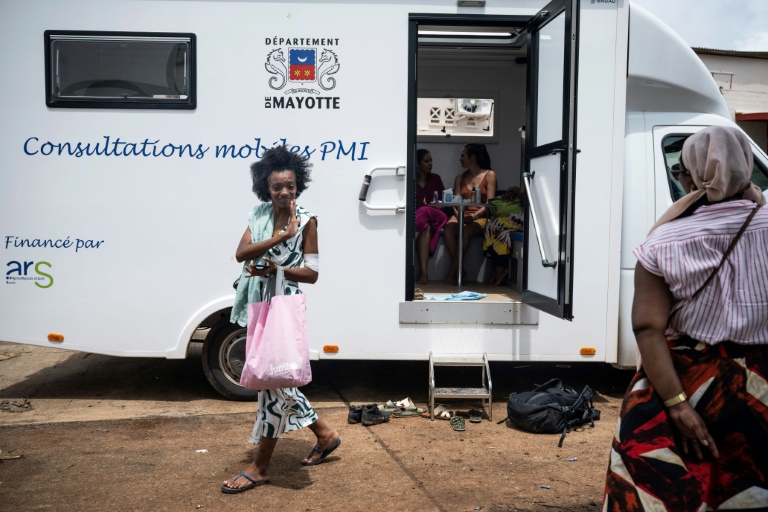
[55,337]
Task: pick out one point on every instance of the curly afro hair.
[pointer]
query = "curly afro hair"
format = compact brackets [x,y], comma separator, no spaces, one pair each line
[279,159]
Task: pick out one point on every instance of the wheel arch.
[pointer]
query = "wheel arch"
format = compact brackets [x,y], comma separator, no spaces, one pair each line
[210,314]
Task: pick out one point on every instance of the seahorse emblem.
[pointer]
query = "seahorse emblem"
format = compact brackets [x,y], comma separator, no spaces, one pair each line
[276,66]
[329,65]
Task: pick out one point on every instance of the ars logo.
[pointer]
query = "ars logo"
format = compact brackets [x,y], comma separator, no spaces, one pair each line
[21,271]
[302,67]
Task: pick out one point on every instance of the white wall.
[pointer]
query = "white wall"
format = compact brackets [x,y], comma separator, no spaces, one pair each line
[507,79]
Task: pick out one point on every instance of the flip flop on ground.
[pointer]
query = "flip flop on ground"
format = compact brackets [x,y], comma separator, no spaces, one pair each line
[457,423]
[475,416]
[235,490]
[323,453]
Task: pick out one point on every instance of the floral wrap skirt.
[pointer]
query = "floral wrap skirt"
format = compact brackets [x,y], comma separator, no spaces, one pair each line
[281,411]
[727,385]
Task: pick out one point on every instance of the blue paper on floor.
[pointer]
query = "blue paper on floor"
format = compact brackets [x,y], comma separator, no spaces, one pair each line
[456,296]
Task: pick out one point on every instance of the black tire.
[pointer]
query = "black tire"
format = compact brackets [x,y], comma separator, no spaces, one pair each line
[223,360]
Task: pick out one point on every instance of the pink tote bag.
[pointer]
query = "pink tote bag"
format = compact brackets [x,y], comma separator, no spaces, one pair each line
[276,352]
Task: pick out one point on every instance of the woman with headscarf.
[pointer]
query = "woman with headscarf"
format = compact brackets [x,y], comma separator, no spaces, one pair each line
[693,430]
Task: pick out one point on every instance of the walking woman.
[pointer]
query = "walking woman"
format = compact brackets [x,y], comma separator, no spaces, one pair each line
[279,234]
[693,430]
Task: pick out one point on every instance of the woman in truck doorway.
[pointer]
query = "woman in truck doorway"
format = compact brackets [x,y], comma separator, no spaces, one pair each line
[279,233]
[475,159]
[693,429]
[429,220]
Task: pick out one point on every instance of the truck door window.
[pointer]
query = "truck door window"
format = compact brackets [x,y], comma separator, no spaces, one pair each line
[671,148]
[759,175]
[677,179]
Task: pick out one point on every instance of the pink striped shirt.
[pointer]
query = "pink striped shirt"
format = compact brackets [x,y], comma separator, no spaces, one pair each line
[734,305]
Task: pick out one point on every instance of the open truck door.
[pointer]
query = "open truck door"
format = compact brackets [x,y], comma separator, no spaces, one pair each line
[550,158]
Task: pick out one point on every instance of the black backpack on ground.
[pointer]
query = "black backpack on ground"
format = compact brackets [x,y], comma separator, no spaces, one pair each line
[551,408]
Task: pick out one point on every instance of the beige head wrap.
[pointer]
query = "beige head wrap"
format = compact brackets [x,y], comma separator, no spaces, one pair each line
[719,159]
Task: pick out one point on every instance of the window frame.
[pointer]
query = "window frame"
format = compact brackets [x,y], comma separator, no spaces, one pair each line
[462,137]
[758,166]
[188,103]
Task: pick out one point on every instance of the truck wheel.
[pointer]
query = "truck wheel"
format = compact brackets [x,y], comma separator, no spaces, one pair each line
[223,360]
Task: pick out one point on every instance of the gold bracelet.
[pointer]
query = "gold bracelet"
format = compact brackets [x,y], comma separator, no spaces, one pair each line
[682,397]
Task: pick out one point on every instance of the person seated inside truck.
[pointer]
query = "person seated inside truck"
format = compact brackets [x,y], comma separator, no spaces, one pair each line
[429,220]
[507,217]
[477,164]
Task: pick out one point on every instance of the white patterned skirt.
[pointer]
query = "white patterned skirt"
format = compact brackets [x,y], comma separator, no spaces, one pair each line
[280,411]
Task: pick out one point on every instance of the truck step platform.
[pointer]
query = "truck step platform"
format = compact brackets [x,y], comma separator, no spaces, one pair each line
[484,392]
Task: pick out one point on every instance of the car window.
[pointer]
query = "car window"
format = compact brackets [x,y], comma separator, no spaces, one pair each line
[672,146]
[759,175]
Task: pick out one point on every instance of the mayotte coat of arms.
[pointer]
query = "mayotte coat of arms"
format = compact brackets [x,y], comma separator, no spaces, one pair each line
[302,67]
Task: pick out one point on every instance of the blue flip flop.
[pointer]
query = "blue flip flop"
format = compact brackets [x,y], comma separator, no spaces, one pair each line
[323,453]
[237,490]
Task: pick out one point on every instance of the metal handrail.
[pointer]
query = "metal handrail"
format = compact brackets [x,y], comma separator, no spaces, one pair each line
[527,176]
[487,371]
[399,172]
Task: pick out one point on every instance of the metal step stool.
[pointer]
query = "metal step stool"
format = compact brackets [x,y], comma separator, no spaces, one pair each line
[483,392]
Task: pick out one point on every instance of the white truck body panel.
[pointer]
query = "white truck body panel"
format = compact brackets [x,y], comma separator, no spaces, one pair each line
[154,237]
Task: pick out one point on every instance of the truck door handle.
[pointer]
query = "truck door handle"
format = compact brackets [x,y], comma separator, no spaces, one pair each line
[399,172]
[527,176]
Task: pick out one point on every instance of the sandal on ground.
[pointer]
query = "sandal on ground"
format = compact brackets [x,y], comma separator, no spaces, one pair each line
[323,453]
[475,416]
[408,412]
[236,490]
[398,407]
[440,413]
[457,424]
[389,407]
[405,403]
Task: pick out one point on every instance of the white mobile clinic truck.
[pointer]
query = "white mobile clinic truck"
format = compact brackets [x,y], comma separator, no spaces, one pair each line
[128,128]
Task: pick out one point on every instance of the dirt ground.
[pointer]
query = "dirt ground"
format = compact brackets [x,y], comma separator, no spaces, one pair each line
[86,432]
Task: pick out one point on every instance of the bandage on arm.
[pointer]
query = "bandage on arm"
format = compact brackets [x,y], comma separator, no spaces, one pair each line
[312,261]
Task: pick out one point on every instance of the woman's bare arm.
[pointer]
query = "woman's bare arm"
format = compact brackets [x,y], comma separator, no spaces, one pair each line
[306,274]
[650,314]
[457,191]
[490,193]
[247,250]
